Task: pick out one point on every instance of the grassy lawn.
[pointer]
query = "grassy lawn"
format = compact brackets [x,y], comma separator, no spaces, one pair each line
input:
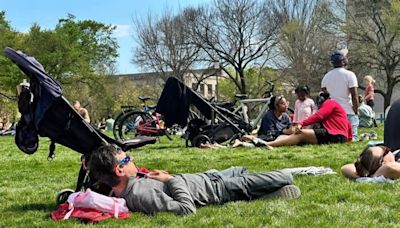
[28,185]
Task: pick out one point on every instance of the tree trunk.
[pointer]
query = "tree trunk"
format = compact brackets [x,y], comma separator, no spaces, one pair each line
[387,97]
[242,82]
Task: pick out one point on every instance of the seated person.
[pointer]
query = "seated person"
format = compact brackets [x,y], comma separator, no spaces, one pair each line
[82,111]
[276,121]
[182,193]
[102,124]
[4,124]
[373,162]
[9,131]
[334,126]
[365,114]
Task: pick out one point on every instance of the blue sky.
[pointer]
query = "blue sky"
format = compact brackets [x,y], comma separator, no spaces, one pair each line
[23,13]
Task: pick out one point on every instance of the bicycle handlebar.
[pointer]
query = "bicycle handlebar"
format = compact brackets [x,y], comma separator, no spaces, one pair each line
[269,92]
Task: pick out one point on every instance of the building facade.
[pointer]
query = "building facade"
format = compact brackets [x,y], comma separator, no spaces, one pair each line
[204,81]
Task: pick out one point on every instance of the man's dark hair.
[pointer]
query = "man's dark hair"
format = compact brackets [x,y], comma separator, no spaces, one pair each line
[338,59]
[102,163]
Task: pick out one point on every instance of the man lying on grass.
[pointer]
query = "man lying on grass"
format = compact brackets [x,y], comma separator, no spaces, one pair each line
[159,191]
[373,162]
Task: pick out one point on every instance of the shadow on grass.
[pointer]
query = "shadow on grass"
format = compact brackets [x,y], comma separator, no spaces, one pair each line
[169,147]
[33,207]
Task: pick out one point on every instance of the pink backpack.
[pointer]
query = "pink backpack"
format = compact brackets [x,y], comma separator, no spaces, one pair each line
[94,200]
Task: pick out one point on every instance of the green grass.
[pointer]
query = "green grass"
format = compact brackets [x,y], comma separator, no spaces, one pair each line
[28,185]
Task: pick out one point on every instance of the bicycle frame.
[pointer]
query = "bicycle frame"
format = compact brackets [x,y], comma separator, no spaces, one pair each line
[243,109]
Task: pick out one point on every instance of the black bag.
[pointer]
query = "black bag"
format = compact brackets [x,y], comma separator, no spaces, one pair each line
[26,136]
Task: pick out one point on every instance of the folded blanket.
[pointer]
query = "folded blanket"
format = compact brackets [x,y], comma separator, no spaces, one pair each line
[311,170]
[380,179]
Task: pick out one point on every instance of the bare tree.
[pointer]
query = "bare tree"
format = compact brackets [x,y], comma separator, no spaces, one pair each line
[309,35]
[236,33]
[374,48]
[163,45]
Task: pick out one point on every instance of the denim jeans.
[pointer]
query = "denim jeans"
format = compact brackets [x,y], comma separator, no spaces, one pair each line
[354,124]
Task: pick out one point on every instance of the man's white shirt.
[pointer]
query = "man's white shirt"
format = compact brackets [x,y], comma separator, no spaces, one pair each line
[338,82]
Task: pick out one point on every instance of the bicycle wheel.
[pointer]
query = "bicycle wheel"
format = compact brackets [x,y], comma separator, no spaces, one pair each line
[118,121]
[135,123]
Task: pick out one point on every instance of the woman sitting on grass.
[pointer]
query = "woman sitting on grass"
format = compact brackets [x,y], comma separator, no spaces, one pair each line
[335,128]
[374,161]
[276,121]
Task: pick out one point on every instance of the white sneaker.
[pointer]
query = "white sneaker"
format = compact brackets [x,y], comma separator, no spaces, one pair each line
[364,137]
[373,135]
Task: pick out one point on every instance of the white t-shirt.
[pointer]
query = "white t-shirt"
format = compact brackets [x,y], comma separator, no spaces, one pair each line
[338,83]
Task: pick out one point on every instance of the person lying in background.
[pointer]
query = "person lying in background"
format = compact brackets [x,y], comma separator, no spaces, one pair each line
[374,161]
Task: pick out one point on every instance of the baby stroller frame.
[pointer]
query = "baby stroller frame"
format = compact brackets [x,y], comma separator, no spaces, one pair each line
[174,104]
[46,113]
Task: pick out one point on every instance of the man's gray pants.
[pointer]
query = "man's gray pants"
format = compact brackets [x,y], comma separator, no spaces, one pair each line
[236,183]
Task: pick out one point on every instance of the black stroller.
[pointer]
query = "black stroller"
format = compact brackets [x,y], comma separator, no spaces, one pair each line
[219,124]
[45,112]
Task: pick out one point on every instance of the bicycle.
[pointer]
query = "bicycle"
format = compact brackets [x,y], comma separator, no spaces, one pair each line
[124,110]
[241,111]
[146,122]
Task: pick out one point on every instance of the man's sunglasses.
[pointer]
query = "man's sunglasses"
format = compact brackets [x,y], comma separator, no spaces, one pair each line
[124,161]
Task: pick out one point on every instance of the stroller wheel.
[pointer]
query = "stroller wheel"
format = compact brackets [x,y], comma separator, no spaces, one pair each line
[62,196]
[200,139]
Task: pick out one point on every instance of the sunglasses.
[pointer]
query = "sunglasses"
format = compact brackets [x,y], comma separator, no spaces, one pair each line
[125,160]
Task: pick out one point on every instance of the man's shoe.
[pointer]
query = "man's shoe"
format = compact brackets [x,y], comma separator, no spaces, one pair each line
[286,192]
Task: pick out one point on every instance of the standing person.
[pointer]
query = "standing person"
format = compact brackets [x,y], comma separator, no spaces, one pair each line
[304,106]
[342,86]
[369,90]
[183,193]
[369,93]
[82,111]
[110,123]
